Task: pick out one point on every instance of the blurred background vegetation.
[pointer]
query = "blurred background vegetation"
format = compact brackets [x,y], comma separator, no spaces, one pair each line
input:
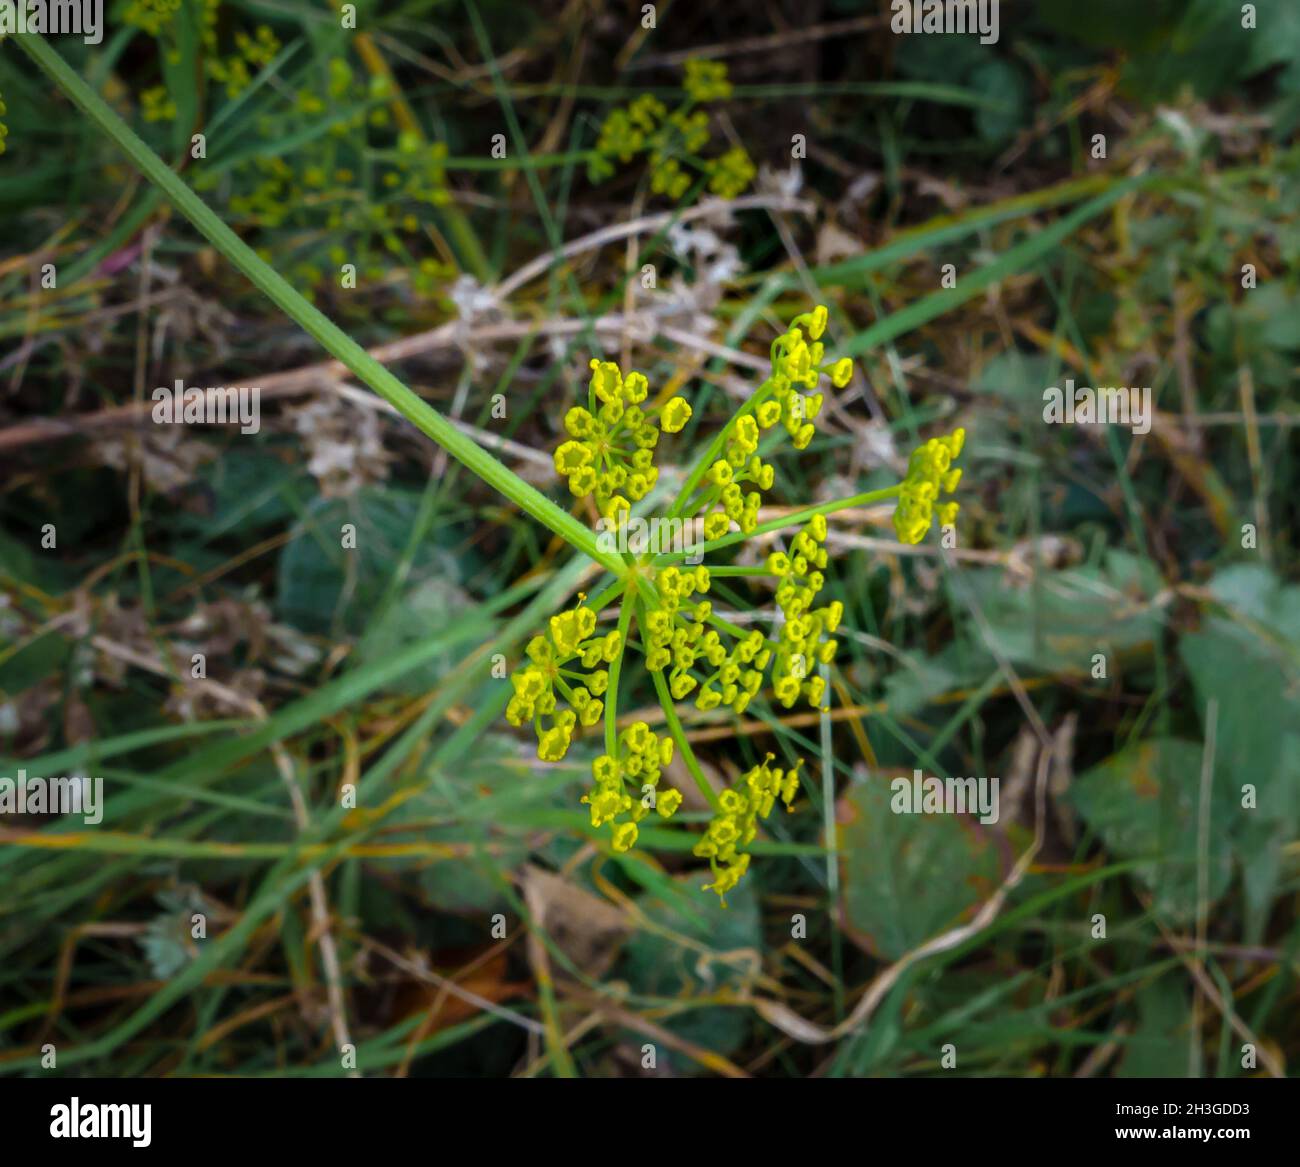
[1170,555]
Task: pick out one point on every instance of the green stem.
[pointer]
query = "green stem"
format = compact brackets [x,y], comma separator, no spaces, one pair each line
[679,737]
[333,339]
[715,449]
[793,519]
[615,670]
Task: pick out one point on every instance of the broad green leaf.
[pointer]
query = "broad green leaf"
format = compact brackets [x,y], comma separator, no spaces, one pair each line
[1071,615]
[423,612]
[1249,666]
[1144,804]
[908,877]
[1158,1046]
[323,584]
[697,949]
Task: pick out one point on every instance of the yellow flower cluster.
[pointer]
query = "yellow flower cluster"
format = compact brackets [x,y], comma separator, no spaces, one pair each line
[157,18]
[706,81]
[625,133]
[611,454]
[251,53]
[570,636]
[640,755]
[423,171]
[796,365]
[803,640]
[929,471]
[328,184]
[151,16]
[694,653]
[735,823]
[645,126]
[669,637]
[157,105]
[731,173]
[683,133]
[676,634]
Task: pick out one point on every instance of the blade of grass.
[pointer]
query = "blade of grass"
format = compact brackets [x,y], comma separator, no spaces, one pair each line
[332,338]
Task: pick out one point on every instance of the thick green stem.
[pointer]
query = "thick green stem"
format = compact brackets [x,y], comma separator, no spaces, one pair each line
[721,572]
[332,338]
[793,519]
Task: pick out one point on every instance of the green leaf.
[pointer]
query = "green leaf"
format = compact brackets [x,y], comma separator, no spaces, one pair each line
[493,798]
[247,489]
[324,586]
[1250,666]
[1070,615]
[1144,803]
[1018,378]
[1158,1046]
[908,877]
[919,680]
[423,612]
[697,948]
[1170,43]
[43,657]
[1002,82]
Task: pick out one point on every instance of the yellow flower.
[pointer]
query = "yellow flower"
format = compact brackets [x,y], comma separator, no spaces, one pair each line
[735,822]
[552,658]
[929,471]
[676,413]
[731,173]
[609,452]
[673,142]
[624,836]
[668,802]
[706,81]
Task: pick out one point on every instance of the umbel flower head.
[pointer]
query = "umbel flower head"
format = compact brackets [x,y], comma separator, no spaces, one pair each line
[735,822]
[929,472]
[570,641]
[570,681]
[611,454]
[636,761]
[674,142]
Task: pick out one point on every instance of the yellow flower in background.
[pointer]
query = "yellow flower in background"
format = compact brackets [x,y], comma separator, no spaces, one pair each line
[706,81]
[731,173]
[674,142]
